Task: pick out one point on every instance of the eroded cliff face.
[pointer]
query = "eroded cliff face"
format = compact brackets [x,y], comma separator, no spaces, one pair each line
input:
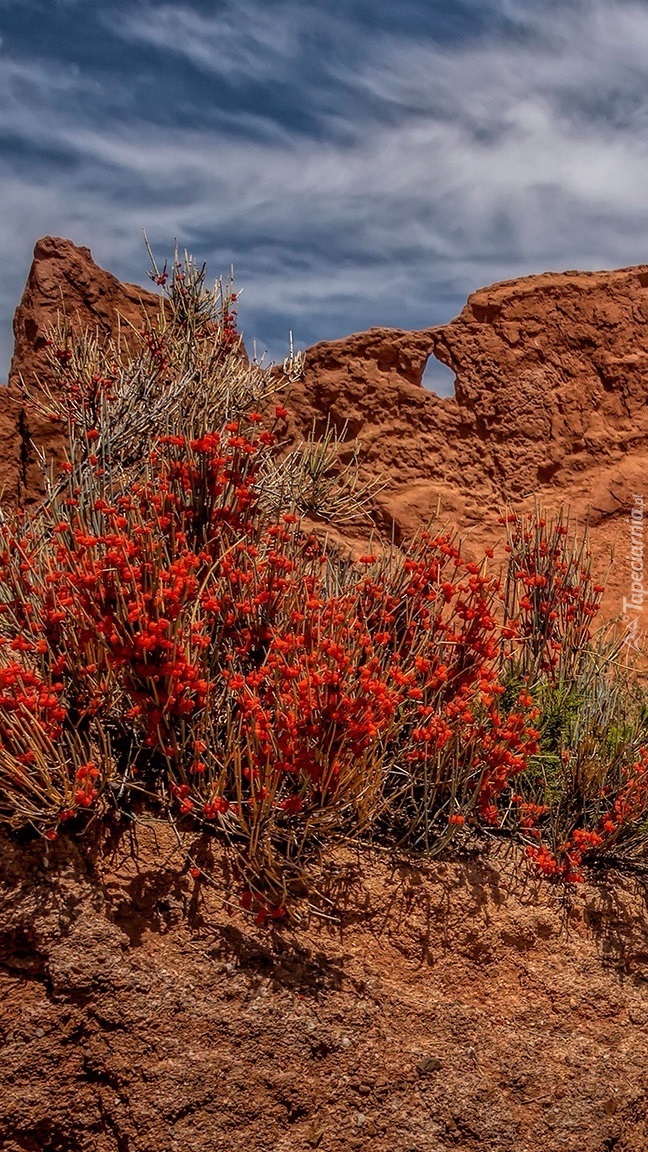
[551,390]
[553,371]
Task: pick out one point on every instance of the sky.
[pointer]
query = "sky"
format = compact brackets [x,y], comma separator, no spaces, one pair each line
[359,162]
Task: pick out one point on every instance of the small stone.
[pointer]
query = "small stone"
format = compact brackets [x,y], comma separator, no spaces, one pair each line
[360,1119]
[429,1064]
[345,1042]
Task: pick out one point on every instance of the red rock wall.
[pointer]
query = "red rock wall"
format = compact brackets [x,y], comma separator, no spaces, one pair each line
[551,388]
[63,279]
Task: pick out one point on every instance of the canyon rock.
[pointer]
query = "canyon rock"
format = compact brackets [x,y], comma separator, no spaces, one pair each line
[551,384]
[63,281]
[550,398]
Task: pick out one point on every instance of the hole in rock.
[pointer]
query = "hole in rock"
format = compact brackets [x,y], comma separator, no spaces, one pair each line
[438,378]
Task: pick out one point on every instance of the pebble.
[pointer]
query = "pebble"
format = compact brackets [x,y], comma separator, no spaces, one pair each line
[429,1064]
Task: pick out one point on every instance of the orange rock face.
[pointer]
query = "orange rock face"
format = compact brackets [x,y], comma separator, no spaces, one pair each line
[63,280]
[551,388]
[455,1006]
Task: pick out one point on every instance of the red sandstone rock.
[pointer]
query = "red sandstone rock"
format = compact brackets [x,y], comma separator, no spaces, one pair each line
[551,389]
[63,280]
[456,1005]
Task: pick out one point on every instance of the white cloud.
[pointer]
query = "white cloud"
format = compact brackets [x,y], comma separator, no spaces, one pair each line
[243,38]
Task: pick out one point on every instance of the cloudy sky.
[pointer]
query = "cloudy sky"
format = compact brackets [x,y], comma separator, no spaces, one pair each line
[360,162]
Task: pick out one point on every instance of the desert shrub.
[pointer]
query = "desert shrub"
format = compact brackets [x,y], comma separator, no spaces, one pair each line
[175,642]
[455,749]
[172,635]
[584,793]
[550,597]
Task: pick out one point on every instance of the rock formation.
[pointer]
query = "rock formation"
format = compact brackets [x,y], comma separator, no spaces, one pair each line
[63,281]
[551,388]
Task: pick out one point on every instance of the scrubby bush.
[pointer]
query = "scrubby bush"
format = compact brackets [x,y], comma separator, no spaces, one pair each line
[171,634]
[584,792]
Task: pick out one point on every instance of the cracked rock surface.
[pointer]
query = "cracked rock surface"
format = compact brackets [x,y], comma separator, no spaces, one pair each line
[463,1006]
